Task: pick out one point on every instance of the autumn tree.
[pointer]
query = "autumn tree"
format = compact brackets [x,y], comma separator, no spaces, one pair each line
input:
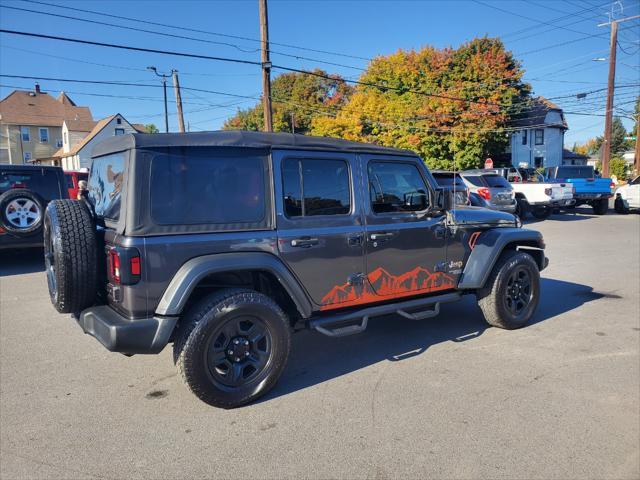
[411,99]
[296,99]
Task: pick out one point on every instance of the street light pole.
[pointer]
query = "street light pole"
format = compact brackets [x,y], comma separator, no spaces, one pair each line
[164,89]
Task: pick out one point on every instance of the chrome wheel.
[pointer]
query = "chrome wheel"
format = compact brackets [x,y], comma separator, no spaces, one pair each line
[22,212]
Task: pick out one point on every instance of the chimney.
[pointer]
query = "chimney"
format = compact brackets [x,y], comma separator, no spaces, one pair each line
[37,87]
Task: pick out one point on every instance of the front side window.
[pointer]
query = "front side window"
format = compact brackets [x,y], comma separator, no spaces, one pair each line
[315,187]
[396,187]
[192,187]
[539,136]
[44,135]
[24,132]
[105,185]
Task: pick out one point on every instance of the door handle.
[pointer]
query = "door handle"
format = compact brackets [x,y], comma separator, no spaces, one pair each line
[381,236]
[304,242]
[355,240]
[440,232]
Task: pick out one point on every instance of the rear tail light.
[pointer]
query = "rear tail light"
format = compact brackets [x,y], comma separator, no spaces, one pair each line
[114,266]
[612,185]
[484,193]
[124,266]
[547,191]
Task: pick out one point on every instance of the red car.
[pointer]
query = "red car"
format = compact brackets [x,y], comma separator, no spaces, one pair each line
[73,177]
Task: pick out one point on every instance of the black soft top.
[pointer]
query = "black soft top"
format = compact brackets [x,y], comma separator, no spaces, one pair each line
[239,139]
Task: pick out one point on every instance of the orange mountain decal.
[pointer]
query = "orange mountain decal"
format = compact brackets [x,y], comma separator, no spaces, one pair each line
[380,285]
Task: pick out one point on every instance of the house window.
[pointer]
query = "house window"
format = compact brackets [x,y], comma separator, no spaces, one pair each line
[27,156]
[119,121]
[65,137]
[24,131]
[524,137]
[119,131]
[539,136]
[44,135]
[538,161]
[59,142]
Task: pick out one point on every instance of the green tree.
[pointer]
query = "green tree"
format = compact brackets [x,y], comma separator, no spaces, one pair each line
[618,167]
[415,113]
[618,144]
[296,99]
[151,128]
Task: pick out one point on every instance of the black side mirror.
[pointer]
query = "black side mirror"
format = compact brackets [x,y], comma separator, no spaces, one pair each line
[444,198]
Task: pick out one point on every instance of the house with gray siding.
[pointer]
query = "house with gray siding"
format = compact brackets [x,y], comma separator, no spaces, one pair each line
[539,141]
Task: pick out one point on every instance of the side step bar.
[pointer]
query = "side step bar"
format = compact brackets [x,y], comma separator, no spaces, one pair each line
[354,322]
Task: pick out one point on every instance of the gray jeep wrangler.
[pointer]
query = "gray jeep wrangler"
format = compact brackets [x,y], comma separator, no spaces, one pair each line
[223,243]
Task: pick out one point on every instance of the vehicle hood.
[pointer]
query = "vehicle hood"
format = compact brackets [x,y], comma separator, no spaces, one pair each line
[482,217]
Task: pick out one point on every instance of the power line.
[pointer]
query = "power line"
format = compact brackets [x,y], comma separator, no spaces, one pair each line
[237,37]
[166,34]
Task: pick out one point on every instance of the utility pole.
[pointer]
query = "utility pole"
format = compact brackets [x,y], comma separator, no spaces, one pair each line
[164,88]
[266,66]
[176,87]
[606,152]
[637,152]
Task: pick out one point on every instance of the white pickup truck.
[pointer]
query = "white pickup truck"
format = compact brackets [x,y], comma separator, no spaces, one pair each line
[534,195]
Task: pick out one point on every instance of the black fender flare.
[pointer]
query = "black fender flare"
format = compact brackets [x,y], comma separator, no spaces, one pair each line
[489,247]
[189,275]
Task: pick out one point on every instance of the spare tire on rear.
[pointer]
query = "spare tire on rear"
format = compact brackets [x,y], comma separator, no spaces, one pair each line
[70,254]
[21,211]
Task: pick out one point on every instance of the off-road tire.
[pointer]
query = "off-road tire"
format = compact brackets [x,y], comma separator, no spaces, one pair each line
[619,207]
[70,251]
[522,208]
[200,327]
[541,213]
[16,195]
[491,298]
[600,207]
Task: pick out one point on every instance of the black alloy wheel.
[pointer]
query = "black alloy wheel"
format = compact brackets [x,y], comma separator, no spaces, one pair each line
[518,292]
[238,351]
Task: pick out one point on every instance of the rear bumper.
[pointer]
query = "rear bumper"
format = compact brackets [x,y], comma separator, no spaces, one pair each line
[119,334]
[509,208]
[592,196]
[9,241]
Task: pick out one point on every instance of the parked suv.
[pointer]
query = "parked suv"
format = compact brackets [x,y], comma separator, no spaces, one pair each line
[25,191]
[453,182]
[490,190]
[223,243]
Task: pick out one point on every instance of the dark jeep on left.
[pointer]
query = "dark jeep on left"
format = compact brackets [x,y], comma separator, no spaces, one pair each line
[25,192]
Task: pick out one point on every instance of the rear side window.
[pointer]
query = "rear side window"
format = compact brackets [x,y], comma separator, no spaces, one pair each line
[105,185]
[496,181]
[202,187]
[315,187]
[475,180]
[448,180]
[42,182]
[396,187]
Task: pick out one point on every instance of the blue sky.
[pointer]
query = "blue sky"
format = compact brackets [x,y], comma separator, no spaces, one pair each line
[351,28]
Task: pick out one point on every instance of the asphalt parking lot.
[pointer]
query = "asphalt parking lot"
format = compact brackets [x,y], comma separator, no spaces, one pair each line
[445,398]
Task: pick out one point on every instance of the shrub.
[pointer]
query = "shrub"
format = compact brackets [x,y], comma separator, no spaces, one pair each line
[618,167]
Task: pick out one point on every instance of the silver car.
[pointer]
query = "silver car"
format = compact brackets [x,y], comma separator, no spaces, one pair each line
[489,190]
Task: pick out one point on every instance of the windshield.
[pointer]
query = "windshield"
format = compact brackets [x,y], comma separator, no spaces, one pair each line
[575,172]
[105,185]
[496,181]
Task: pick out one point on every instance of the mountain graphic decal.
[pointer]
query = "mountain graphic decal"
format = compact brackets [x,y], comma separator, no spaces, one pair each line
[381,285]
